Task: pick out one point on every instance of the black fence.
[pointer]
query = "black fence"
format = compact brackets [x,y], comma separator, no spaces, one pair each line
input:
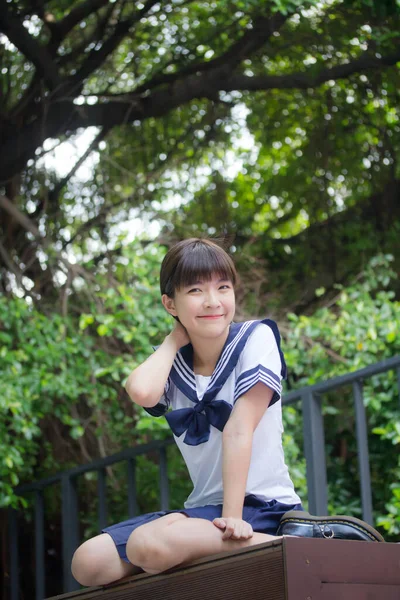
[314,451]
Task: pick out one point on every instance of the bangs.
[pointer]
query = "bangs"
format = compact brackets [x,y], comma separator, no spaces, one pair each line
[201,263]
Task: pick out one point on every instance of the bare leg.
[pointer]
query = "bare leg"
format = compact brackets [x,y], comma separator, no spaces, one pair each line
[97,562]
[183,540]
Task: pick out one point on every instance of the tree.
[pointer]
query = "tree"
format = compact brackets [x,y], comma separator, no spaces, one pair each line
[169,87]
[162,80]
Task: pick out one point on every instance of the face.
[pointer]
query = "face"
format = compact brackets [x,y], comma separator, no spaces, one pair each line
[205,309]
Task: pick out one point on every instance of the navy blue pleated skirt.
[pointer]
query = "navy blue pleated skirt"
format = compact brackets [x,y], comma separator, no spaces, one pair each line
[264,517]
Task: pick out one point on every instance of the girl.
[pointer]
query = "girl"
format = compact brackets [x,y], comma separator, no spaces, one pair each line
[223,383]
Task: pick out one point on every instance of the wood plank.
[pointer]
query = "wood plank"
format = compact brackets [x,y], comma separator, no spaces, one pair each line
[287,568]
[256,573]
[359,591]
[311,563]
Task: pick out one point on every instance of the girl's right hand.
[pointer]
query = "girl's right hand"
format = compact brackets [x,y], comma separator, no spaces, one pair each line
[179,335]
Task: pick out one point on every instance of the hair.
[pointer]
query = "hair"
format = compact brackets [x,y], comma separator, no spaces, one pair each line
[192,260]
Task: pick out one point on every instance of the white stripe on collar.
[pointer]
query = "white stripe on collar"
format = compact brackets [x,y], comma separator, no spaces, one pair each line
[184,371]
[227,353]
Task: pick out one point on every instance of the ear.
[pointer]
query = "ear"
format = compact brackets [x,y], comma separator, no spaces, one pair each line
[169,305]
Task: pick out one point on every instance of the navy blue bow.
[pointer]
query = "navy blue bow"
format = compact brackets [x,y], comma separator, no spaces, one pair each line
[196,421]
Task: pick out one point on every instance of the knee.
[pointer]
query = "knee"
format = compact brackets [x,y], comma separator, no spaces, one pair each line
[146,552]
[87,565]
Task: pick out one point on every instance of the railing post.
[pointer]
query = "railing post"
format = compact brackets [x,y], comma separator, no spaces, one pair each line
[164,486]
[132,500]
[363,456]
[39,546]
[102,492]
[398,382]
[314,451]
[14,558]
[70,533]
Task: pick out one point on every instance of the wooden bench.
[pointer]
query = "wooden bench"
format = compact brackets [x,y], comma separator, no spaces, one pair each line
[284,569]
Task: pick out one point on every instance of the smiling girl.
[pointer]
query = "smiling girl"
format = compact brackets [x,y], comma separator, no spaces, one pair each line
[222,381]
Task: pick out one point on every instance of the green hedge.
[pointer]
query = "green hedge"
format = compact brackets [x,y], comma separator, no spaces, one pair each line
[62,400]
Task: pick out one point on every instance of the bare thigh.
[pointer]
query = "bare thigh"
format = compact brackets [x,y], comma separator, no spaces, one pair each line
[157,525]
[160,545]
[146,539]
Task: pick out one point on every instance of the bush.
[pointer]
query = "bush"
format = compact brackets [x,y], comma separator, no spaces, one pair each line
[62,401]
[360,327]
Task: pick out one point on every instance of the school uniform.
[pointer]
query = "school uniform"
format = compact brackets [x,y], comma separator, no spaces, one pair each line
[201,406]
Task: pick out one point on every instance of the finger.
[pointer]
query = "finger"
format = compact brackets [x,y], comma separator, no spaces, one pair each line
[220,523]
[243,532]
[239,532]
[229,530]
[228,533]
[236,531]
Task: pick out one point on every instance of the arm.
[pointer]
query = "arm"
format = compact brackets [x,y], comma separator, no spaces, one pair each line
[237,439]
[145,385]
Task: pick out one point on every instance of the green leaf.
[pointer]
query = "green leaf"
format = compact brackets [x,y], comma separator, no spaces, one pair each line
[102,330]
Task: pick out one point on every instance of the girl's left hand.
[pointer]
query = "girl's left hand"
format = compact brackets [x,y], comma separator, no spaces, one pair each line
[234,529]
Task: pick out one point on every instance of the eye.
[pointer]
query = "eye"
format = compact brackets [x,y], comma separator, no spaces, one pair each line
[225,287]
[194,290]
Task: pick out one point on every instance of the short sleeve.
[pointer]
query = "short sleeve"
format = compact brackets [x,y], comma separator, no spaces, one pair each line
[163,405]
[261,360]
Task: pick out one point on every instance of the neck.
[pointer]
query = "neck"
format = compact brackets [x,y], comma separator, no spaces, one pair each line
[206,354]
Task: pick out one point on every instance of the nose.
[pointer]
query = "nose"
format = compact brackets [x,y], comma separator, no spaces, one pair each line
[211,299]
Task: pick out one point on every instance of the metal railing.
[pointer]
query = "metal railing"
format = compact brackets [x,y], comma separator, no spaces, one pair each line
[69,510]
[314,438]
[314,451]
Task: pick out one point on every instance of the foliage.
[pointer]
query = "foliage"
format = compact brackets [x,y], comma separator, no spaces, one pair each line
[60,384]
[312,183]
[255,120]
[61,390]
[359,328]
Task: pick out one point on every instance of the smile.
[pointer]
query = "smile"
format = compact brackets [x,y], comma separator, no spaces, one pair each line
[210,317]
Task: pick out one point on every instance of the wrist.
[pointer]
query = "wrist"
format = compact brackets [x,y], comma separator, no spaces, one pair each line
[232,516]
[233,511]
[171,341]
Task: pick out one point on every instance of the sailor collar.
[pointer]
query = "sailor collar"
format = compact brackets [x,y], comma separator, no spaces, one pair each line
[182,373]
[196,420]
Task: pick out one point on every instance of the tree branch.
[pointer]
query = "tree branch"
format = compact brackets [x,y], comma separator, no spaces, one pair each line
[207,85]
[107,209]
[308,80]
[95,37]
[53,195]
[36,7]
[26,44]
[16,214]
[61,28]
[43,241]
[96,58]
[64,117]
[250,42]
[11,266]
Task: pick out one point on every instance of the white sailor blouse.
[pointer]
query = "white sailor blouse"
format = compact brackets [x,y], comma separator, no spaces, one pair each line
[201,406]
